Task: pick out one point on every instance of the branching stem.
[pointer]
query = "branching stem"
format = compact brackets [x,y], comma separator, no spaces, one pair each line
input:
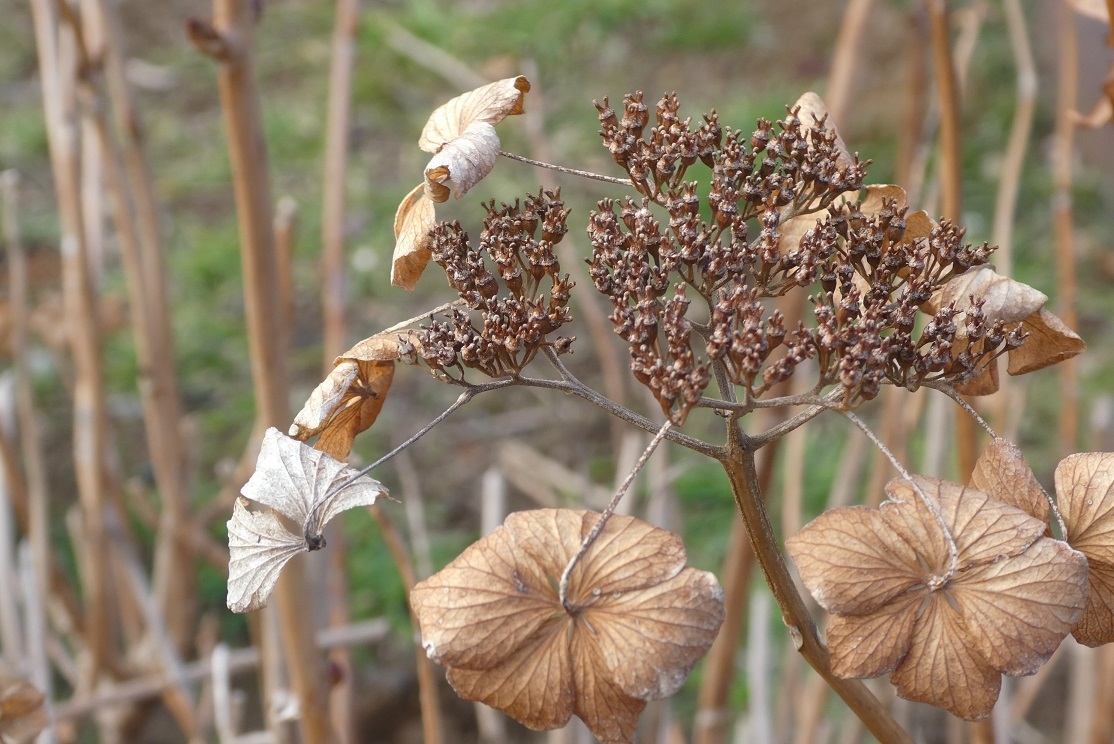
[929,503]
[738,463]
[469,393]
[570,171]
[597,528]
[950,391]
[570,384]
[424,316]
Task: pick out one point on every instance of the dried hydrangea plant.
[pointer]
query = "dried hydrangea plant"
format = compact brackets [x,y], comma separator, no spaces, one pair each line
[944,586]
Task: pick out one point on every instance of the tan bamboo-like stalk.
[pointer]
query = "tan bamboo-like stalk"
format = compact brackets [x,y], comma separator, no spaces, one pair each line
[229,39]
[337,125]
[947,91]
[333,305]
[914,105]
[144,255]
[432,724]
[37,521]
[1067,89]
[1009,184]
[90,410]
[1003,405]
[286,232]
[848,49]
[951,180]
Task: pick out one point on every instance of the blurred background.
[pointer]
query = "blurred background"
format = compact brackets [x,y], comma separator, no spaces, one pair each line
[872,61]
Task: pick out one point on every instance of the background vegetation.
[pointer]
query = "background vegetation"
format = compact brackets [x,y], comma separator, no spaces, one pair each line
[746,60]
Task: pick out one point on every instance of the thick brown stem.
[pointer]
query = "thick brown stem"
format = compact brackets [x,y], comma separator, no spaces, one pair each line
[743,475]
[231,35]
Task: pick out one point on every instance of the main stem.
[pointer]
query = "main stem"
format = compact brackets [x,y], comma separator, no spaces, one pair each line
[743,476]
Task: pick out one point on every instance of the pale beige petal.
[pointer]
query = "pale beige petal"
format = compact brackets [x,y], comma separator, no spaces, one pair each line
[413,221]
[462,163]
[610,713]
[873,644]
[814,111]
[1049,342]
[323,401]
[382,347]
[1096,625]
[258,547]
[534,685]
[874,196]
[1085,494]
[487,603]
[1005,299]
[942,669]
[1003,473]
[629,554]
[306,485]
[918,225]
[984,383]
[1018,610]
[984,530]
[649,639]
[852,561]
[489,104]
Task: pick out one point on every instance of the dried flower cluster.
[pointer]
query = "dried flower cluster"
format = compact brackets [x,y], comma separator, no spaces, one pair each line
[519,241]
[874,269]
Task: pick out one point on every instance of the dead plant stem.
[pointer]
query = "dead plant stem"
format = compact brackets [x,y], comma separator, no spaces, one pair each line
[432,725]
[739,465]
[569,171]
[1067,99]
[337,124]
[232,24]
[58,72]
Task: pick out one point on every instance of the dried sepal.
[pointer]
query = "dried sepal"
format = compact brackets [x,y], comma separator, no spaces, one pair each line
[308,488]
[489,104]
[1006,299]
[349,400]
[22,710]
[462,163]
[1049,342]
[639,620]
[414,219]
[1013,304]
[1085,495]
[1003,472]
[938,629]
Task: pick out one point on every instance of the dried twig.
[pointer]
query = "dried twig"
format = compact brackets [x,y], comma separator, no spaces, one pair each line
[432,726]
[228,38]
[337,124]
[58,72]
